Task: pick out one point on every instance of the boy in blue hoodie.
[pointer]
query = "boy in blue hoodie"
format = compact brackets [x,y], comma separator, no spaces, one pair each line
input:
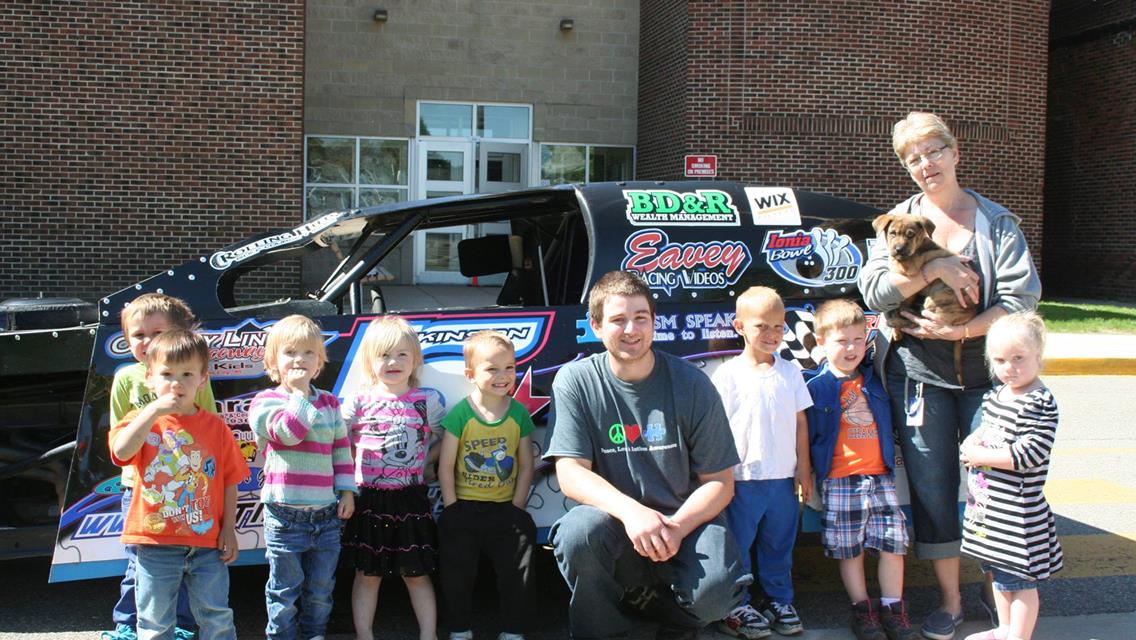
[853,457]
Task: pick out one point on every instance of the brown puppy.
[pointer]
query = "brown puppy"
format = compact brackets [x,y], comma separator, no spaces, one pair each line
[909,248]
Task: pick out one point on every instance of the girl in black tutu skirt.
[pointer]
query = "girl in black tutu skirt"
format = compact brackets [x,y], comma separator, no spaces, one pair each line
[392,425]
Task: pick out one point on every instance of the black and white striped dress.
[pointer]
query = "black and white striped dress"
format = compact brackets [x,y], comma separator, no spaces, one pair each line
[1008,522]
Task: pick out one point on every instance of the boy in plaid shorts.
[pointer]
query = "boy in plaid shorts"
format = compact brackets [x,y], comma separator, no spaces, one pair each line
[853,457]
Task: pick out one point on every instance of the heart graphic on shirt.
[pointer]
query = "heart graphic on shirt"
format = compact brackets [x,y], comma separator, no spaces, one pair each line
[631,432]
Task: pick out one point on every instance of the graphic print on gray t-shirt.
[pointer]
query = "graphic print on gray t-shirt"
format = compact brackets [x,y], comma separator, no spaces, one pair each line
[649,439]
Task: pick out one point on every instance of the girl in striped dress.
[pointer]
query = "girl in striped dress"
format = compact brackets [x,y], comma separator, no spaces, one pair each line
[1008,526]
[393,425]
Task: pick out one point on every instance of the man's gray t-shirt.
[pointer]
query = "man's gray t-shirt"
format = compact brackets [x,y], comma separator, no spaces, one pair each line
[649,439]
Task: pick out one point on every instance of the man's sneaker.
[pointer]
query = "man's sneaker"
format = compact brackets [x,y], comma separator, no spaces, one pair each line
[896,624]
[186,634]
[941,625]
[120,632]
[505,635]
[782,618]
[462,635]
[866,621]
[745,622]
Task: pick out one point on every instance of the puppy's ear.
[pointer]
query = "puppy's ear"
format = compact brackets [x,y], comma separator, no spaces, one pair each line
[928,226]
[880,224]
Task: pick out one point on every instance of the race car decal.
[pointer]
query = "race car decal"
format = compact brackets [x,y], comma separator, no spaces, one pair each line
[704,207]
[773,206]
[690,265]
[815,258]
[224,259]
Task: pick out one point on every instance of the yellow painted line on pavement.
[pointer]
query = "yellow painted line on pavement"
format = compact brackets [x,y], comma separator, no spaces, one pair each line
[1090,366]
[1088,491]
[1086,556]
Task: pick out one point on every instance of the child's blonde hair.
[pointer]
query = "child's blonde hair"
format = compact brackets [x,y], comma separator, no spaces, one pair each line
[837,314]
[485,339]
[1022,327]
[177,346]
[294,330]
[150,304]
[384,335]
[757,296]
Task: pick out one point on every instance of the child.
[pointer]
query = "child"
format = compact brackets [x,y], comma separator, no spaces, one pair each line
[392,425]
[1009,528]
[307,461]
[853,454]
[765,398]
[486,490]
[146,317]
[187,466]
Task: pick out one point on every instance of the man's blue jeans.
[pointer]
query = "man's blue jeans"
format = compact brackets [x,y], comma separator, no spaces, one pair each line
[125,611]
[161,569]
[302,552]
[611,582]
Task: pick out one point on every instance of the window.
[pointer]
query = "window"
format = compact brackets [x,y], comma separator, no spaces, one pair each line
[566,163]
[467,120]
[347,172]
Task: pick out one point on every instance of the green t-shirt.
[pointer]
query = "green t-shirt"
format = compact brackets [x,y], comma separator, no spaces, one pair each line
[486,467]
[129,392]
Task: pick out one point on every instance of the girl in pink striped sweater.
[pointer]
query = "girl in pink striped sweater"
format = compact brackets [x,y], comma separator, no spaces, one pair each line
[307,466]
[392,425]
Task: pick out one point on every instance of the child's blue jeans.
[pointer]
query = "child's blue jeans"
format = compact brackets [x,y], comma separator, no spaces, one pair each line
[125,611]
[302,551]
[768,511]
[162,570]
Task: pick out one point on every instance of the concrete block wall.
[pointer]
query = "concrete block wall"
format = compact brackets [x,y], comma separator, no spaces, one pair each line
[1090,177]
[139,135]
[364,77]
[805,94]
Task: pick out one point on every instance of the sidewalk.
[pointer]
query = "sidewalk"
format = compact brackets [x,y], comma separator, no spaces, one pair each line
[1079,354]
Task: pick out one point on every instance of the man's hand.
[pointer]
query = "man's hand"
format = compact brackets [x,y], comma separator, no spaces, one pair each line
[346,505]
[227,543]
[653,534]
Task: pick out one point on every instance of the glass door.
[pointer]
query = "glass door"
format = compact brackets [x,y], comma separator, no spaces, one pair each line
[502,166]
[445,169]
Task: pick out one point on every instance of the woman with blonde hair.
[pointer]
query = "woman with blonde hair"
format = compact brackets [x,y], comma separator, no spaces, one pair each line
[936,396]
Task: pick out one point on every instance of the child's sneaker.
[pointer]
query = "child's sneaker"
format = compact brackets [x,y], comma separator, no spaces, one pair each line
[120,632]
[896,624]
[782,618]
[186,634]
[745,622]
[866,621]
[505,635]
[462,635]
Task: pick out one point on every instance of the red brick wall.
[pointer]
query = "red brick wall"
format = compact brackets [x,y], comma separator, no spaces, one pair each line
[804,94]
[138,135]
[663,88]
[1090,177]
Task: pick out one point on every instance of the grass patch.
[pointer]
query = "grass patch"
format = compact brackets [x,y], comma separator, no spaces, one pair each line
[1073,317]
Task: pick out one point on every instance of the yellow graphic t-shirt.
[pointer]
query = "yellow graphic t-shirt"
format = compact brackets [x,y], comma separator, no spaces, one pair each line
[486,467]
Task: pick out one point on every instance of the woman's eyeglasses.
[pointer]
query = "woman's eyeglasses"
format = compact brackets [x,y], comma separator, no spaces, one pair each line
[914,160]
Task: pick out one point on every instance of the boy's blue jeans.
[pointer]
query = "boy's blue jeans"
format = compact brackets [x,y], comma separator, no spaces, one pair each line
[125,611]
[767,511]
[302,552]
[612,584]
[161,572]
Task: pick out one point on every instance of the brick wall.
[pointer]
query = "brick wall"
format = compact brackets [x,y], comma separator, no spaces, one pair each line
[1090,177]
[138,135]
[804,94]
[663,90]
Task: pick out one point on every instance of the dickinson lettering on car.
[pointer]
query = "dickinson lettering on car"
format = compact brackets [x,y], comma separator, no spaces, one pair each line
[696,244]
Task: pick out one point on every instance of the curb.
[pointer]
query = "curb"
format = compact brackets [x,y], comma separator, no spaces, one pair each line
[1089,366]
